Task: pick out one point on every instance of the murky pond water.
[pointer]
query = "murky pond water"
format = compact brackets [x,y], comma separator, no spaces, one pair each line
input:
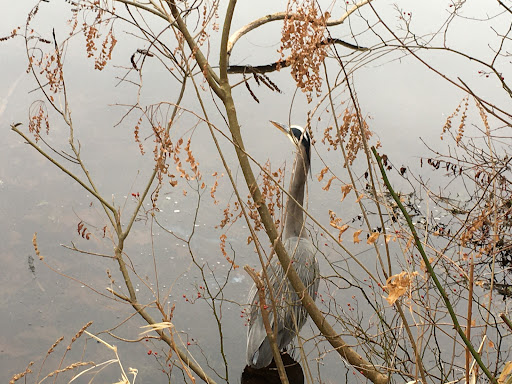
[42,301]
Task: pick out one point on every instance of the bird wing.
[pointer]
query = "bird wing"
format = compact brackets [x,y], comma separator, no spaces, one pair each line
[291,315]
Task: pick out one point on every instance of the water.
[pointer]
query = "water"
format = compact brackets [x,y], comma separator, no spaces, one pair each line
[40,302]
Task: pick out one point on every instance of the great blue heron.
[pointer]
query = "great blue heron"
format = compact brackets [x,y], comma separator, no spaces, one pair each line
[291,315]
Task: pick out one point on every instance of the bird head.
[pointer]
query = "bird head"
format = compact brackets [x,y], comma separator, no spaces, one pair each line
[299,136]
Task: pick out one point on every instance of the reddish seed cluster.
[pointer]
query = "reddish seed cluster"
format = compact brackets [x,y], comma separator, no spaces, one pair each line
[82,231]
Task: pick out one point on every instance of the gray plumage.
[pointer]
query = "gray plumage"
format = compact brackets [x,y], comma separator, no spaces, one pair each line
[291,315]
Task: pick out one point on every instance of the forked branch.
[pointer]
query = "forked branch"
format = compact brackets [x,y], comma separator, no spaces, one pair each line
[281,16]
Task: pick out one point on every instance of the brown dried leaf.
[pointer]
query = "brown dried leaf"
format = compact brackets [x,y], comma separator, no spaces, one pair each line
[389,237]
[322,173]
[328,185]
[345,189]
[397,285]
[409,243]
[373,238]
[356,236]
[343,228]
[423,266]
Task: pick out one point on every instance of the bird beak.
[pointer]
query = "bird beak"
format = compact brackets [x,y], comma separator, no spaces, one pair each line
[282,127]
[286,130]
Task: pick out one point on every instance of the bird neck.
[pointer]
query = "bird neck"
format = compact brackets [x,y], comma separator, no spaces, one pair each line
[294,214]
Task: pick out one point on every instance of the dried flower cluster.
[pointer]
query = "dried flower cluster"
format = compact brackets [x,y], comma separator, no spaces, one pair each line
[137,138]
[50,65]
[223,238]
[92,35]
[304,35]
[20,375]
[107,46]
[162,151]
[351,129]
[448,124]
[36,248]
[78,335]
[13,33]
[213,189]
[272,194]
[80,6]
[38,120]
[271,191]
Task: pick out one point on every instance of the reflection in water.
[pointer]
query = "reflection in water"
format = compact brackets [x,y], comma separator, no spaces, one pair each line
[31,265]
[270,375]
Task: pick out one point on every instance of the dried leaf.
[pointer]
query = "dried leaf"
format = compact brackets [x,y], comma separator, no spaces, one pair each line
[345,189]
[506,374]
[360,197]
[389,238]
[409,243]
[423,266]
[322,173]
[397,285]
[373,238]
[343,228]
[356,236]
[328,185]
